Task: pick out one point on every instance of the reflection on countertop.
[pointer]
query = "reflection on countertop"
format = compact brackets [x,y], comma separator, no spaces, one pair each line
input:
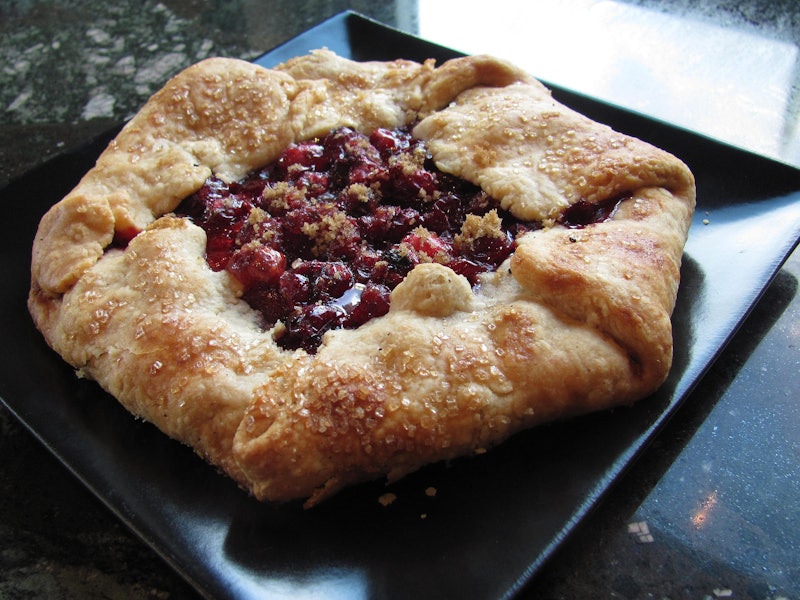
[718,73]
[712,510]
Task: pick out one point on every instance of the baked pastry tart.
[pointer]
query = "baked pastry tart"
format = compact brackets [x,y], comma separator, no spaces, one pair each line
[335,271]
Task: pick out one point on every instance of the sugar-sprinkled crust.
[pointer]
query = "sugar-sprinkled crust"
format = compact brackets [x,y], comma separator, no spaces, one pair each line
[576,320]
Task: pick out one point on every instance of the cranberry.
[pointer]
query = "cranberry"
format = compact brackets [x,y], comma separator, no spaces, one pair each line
[226,213]
[358,200]
[445,215]
[314,184]
[294,288]
[250,189]
[213,190]
[431,245]
[367,264]
[219,249]
[399,261]
[388,224]
[333,280]
[352,158]
[268,301]
[305,156]
[489,250]
[257,264]
[367,173]
[346,144]
[374,302]
[293,229]
[408,186]
[346,243]
[389,142]
[306,326]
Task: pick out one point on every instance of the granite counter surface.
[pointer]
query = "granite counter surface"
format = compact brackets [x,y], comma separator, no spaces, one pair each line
[72,69]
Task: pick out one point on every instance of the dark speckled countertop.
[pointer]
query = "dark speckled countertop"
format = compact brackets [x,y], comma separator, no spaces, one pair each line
[711,510]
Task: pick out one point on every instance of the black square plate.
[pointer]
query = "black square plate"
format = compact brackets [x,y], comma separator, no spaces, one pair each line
[493,519]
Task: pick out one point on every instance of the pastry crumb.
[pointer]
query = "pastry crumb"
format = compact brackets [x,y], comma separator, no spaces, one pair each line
[430,491]
[641,531]
[387,499]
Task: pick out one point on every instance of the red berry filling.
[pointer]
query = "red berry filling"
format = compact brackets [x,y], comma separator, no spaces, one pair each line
[584,213]
[321,236]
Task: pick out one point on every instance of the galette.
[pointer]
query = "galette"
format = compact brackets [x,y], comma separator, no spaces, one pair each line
[333,271]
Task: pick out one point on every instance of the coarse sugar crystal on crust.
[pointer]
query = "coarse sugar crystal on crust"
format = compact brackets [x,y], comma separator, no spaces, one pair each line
[577,319]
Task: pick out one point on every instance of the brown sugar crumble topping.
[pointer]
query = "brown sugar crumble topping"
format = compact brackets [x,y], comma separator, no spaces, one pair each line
[321,236]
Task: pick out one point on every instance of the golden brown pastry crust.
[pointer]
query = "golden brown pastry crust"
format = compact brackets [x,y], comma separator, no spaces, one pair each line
[576,320]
